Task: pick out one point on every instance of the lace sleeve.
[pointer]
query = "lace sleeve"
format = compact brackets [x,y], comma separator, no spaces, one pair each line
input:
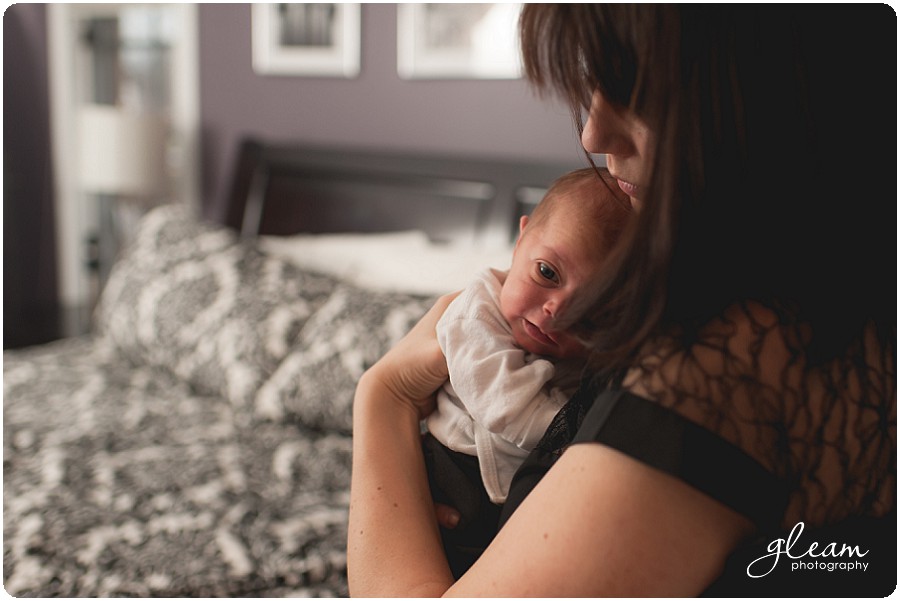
[825,430]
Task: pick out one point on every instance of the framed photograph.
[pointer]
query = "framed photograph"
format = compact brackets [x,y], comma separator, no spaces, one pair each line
[465,41]
[306,39]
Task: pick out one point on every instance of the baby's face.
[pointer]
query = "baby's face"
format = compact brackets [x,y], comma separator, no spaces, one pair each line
[552,264]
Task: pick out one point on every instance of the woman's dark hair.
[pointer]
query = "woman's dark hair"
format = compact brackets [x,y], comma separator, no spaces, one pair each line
[774,175]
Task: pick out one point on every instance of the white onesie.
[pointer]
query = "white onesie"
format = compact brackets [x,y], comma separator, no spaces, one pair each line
[499,399]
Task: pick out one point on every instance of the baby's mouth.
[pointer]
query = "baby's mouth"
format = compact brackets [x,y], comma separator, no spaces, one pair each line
[537,334]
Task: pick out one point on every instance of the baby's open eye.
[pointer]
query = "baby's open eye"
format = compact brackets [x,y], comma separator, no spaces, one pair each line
[547,272]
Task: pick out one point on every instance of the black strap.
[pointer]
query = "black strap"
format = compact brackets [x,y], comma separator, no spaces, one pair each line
[667,441]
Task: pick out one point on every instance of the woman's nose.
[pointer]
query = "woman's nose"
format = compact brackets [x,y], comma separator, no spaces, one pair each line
[601,133]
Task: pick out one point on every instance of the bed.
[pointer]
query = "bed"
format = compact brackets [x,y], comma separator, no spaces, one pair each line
[197,441]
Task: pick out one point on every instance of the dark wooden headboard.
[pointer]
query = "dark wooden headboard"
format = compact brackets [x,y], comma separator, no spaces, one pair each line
[285,189]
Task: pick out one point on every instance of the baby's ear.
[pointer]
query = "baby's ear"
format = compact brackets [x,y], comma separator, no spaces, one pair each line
[523,221]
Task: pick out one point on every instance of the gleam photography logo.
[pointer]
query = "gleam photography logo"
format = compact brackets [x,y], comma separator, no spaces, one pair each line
[833,556]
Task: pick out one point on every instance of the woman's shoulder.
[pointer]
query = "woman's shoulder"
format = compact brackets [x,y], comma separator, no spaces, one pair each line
[716,369]
[827,428]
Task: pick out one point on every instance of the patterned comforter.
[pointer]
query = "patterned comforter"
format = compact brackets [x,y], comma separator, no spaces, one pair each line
[197,443]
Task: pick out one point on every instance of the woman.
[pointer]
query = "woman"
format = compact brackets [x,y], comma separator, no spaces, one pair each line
[744,367]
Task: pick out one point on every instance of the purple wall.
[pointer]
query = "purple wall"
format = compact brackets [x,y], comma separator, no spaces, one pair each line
[376,110]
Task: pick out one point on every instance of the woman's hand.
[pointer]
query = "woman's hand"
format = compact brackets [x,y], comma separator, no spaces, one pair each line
[415,367]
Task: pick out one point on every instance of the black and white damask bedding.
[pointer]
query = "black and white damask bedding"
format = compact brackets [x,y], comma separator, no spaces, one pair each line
[197,443]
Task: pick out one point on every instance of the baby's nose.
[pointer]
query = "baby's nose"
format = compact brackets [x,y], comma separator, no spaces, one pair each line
[554,306]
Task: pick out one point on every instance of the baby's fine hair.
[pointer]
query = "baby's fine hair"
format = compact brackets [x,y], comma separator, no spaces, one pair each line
[606,210]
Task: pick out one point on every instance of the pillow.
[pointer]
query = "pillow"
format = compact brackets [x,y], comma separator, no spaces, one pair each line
[315,383]
[215,311]
[406,262]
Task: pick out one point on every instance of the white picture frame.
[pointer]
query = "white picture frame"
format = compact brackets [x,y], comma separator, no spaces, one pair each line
[458,41]
[314,40]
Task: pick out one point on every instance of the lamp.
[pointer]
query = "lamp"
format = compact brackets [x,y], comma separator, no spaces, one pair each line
[122,160]
[122,153]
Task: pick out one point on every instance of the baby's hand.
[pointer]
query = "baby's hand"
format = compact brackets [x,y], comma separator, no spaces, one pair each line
[447,517]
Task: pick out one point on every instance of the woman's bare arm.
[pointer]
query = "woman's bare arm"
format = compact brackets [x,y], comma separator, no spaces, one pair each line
[601,524]
[394,547]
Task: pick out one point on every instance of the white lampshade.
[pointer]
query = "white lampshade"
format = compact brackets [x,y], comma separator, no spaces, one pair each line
[122,153]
